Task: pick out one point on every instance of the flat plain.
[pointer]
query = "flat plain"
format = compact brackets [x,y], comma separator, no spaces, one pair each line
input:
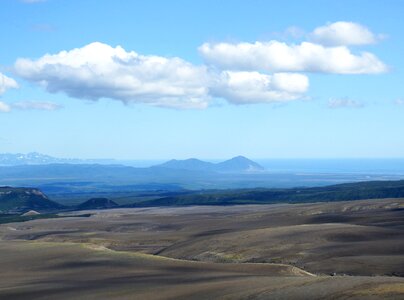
[339,250]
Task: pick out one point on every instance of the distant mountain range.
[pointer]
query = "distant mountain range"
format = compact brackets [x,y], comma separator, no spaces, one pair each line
[61,176]
[35,158]
[236,164]
[67,178]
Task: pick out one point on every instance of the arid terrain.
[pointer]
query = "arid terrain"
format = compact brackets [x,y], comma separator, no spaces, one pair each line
[340,250]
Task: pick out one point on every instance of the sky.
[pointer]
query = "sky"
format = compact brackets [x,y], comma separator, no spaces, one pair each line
[207,79]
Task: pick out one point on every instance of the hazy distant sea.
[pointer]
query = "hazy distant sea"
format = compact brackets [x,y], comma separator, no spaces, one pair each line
[351,166]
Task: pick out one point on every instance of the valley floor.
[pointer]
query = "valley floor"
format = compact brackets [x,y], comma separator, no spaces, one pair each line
[344,250]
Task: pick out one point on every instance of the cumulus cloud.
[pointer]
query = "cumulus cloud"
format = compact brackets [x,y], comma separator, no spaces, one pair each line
[7,83]
[241,73]
[277,56]
[4,107]
[101,71]
[344,103]
[254,87]
[343,33]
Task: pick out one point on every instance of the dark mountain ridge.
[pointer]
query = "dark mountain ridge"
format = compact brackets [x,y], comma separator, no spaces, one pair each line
[21,200]
[339,192]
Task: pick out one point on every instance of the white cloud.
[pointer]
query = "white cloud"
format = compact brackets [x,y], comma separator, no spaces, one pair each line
[241,73]
[254,87]
[276,56]
[101,71]
[7,83]
[4,107]
[29,105]
[343,33]
[36,105]
[344,103]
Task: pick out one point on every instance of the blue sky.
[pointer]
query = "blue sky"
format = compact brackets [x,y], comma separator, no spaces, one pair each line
[179,79]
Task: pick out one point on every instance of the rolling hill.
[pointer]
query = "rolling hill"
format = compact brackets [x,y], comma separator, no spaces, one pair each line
[97,203]
[21,200]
